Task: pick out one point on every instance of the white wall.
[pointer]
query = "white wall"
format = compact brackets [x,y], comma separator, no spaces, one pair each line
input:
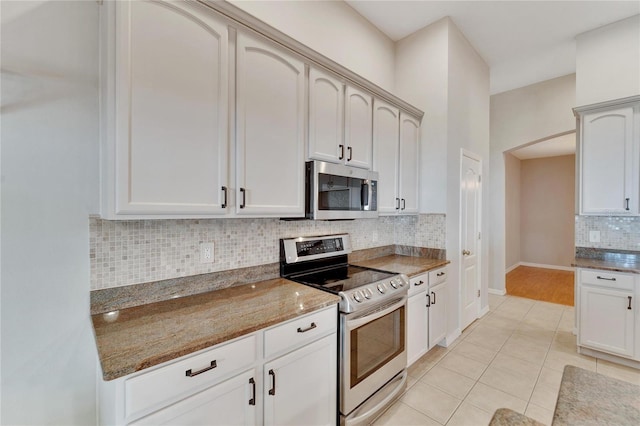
[333,29]
[608,62]
[468,128]
[512,210]
[519,117]
[421,79]
[49,187]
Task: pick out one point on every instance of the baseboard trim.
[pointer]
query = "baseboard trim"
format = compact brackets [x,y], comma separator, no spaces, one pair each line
[452,337]
[540,265]
[498,292]
[511,268]
[484,311]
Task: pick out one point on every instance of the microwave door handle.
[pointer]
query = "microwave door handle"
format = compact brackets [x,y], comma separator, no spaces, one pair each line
[364,196]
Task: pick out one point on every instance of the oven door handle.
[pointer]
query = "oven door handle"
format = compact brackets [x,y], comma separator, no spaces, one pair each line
[378,313]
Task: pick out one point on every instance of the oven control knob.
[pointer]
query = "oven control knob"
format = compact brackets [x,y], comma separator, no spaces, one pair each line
[394,283]
[357,296]
[382,288]
[367,293]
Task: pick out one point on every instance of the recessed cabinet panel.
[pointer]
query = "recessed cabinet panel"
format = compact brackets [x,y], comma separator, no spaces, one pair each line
[437,314]
[409,157]
[270,122]
[609,164]
[358,128]
[386,153]
[171,109]
[417,326]
[326,117]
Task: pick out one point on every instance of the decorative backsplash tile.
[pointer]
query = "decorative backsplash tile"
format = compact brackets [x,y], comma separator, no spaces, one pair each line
[138,251]
[622,233]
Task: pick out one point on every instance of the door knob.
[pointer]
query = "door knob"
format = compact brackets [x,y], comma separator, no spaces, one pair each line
[466,252]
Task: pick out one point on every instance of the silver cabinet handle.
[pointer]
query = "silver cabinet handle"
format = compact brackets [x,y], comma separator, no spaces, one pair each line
[190,373]
[311,327]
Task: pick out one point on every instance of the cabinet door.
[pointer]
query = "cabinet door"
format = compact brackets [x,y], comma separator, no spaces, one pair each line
[326,117]
[437,313]
[417,327]
[269,132]
[386,134]
[170,109]
[609,164]
[409,158]
[358,132]
[300,387]
[229,403]
[606,322]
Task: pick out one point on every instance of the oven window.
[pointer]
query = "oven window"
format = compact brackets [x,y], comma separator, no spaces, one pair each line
[376,343]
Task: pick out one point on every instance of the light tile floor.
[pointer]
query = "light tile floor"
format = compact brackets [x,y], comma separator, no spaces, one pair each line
[512,357]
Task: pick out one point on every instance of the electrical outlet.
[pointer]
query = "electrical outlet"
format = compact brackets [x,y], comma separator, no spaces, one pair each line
[206,253]
[594,236]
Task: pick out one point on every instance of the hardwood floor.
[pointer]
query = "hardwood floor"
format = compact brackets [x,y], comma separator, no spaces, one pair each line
[549,285]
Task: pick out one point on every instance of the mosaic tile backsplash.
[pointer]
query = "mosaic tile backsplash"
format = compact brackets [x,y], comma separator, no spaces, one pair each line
[621,233]
[137,251]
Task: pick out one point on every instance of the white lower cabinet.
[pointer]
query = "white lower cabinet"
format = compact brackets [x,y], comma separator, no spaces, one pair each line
[298,387]
[606,312]
[427,313]
[282,375]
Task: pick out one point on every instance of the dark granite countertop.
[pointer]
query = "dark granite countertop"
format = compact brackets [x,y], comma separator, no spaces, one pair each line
[136,338]
[588,398]
[618,261]
[408,265]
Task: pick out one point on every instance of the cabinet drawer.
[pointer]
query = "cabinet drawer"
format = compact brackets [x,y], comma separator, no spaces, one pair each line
[300,331]
[418,283]
[607,279]
[437,276]
[167,383]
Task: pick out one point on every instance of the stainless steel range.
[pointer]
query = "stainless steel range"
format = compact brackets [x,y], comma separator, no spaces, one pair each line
[372,348]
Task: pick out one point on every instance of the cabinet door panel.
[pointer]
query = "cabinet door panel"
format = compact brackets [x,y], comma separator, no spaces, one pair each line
[608,167]
[171,109]
[305,386]
[223,404]
[409,158]
[605,322]
[386,136]
[270,142]
[326,117]
[437,314]
[417,327]
[358,128]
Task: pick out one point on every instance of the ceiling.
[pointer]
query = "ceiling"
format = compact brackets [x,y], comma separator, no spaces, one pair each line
[523,42]
[561,145]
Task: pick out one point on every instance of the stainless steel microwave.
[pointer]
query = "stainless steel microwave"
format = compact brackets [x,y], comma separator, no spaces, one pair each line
[336,191]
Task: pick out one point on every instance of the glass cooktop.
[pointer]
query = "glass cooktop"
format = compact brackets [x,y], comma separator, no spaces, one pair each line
[342,278]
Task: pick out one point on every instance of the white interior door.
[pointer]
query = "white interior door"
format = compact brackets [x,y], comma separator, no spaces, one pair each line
[470,187]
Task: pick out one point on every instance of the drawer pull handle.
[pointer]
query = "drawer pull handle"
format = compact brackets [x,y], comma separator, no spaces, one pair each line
[439,274]
[252,382]
[190,373]
[304,330]
[418,283]
[629,307]
[605,278]
[272,391]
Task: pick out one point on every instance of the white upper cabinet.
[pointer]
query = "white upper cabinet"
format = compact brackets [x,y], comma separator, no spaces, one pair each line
[326,117]
[358,130]
[269,129]
[409,158]
[165,105]
[396,136]
[386,136]
[609,154]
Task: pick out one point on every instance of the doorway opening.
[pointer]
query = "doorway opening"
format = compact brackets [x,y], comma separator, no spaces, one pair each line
[540,219]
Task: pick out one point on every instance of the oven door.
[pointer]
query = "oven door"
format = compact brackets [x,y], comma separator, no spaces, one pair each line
[372,351]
